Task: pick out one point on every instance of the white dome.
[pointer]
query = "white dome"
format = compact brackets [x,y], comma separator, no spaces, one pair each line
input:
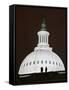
[41,59]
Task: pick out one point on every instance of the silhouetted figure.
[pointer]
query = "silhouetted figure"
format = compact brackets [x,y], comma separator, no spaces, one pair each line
[41,69]
[46,69]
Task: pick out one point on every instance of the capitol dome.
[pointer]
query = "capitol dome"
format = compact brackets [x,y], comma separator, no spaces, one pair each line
[42,59]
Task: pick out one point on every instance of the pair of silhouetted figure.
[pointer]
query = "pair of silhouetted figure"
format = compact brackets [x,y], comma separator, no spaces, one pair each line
[42,69]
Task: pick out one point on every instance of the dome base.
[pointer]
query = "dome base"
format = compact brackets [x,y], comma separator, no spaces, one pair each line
[43,77]
[43,48]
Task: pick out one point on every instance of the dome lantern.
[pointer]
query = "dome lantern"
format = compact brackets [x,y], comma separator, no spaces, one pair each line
[43,36]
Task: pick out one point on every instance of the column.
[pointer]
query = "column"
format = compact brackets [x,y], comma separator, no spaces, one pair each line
[47,39]
[39,39]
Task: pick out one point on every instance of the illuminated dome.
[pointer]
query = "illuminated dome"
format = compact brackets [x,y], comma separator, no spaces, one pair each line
[42,59]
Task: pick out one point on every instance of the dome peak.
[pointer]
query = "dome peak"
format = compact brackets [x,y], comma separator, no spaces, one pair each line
[43,36]
[43,24]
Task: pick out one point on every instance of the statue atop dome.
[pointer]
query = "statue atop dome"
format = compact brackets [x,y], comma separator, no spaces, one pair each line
[43,24]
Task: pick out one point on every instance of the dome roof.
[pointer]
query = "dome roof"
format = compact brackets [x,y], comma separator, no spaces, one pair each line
[41,58]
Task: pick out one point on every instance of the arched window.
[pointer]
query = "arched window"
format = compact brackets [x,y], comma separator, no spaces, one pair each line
[27,64]
[53,62]
[30,63]
[41,62]
[33,62]
[49,62]
[37,62]
[45,61]
[56,63]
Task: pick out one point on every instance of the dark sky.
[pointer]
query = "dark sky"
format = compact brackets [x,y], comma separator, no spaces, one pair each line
[28,21]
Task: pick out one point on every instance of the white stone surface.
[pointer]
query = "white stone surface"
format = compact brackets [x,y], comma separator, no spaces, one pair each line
[41,55]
